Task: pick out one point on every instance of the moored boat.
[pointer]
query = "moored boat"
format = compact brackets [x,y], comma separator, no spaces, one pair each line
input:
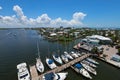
[73,54]
[64,58]
[55,76]
[92,61]
[57,58]
[68,55]
[82,71]
[23,73]
[50,63]
[88,68]
[39,64]
[89,63]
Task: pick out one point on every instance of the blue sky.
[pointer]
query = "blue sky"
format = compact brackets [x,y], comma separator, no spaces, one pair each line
[56,13]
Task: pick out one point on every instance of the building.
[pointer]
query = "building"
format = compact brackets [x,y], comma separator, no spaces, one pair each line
[102,39]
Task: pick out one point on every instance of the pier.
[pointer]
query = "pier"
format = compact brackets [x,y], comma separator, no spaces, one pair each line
[35,76]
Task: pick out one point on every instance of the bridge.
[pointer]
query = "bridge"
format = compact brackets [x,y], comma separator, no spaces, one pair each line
[35,76]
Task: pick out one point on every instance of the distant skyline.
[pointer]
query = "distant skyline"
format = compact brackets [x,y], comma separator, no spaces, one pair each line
[55,13]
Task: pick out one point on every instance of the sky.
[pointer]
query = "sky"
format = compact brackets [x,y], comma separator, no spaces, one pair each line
[56,13]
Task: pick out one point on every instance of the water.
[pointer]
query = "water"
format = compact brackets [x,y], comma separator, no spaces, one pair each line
[19,45]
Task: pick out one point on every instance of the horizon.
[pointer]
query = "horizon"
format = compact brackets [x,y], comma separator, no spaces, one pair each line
[45,13]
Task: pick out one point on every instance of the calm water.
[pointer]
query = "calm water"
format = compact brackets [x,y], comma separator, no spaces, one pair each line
[19,45]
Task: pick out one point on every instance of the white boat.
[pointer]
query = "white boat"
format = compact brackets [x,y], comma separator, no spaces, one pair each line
[55,76]
[78,54]
[64,58]
[57,58]
[82,71]
[90,69]
[60,76]
[50,63]
[73,54]
[92,61]
[68,55]
[89,63]
[39,64]
[23,73]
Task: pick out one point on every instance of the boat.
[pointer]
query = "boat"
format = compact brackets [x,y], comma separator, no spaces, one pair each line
[23,73]
[68,55]
[73,54]
[50,63]
[78,54]
[64,58]
[88,68]
[57,58]
[92,61]
[55,76]
[82,71]
[89,63]
[39,64]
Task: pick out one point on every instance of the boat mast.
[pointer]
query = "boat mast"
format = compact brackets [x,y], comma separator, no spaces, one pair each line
[38,50]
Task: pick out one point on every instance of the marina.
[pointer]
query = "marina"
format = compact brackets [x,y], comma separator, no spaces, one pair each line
[108,53]
[57,69]
[25,50]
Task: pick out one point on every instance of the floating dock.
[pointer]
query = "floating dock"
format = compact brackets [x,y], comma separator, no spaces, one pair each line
[35,76]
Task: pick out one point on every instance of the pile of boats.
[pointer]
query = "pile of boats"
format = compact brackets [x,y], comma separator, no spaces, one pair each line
[84,67]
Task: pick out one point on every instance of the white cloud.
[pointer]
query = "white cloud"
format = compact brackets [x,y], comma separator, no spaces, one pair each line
[20,20]
[0,7]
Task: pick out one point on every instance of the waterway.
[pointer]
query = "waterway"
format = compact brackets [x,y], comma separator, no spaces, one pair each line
[19,45]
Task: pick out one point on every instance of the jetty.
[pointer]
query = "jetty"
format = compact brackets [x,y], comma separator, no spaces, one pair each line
[35,76]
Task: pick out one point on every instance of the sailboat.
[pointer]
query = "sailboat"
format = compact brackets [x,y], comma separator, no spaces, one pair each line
[39,64]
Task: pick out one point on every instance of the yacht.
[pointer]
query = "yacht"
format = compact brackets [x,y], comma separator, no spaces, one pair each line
[64,58]
[82,71]
[92,61]
[50,63]
[90,64]
[68,55]
[23,73]
[88,68]
[55,76]
[73,54]
[57,59]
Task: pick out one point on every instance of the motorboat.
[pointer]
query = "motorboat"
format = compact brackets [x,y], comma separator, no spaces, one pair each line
[50,63]
[55,76]
[92,61]
[64,58]
[89,63]
[68,55]
[73,54]
[82,71]
[88,68]
[23,73]
[57,58]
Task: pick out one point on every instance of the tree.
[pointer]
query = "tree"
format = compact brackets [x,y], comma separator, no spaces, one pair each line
[118,51]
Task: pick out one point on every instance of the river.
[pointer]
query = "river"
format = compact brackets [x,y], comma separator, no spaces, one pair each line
[19,45]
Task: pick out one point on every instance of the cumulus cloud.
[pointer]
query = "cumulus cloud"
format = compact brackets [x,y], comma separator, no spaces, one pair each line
[20,20]
[0,7]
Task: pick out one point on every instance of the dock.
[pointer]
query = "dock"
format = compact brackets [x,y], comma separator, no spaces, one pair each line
[107,51]
[35,76]
[34,73]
